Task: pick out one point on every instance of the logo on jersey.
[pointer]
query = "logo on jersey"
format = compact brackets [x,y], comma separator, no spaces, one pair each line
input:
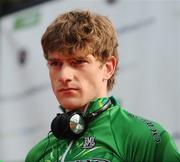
[89,142]
[92,160]
[151,127]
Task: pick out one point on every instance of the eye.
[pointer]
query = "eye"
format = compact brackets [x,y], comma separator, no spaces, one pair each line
[79,61]
[54,64]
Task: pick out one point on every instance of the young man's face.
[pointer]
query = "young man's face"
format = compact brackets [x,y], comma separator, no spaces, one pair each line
[77,80]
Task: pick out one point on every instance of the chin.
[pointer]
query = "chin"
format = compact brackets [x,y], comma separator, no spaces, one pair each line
[70,104]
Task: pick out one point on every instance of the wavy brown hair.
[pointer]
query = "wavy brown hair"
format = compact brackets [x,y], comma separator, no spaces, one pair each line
[83,31]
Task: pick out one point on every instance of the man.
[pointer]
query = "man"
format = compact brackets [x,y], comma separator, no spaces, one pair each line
[81,51]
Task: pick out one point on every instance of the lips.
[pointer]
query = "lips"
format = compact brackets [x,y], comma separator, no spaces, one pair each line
[67,89]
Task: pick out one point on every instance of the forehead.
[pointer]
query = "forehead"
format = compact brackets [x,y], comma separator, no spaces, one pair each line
[58,55]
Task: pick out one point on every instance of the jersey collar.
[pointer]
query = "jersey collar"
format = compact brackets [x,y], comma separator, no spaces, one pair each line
[96,104]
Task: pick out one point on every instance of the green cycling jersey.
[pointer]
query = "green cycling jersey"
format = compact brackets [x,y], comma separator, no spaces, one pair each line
[114,136]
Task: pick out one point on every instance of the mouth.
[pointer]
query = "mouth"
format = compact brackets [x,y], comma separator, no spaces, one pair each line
[67,89]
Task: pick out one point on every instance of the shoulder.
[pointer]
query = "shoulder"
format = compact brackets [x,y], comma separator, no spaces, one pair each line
[140,139]
[37,152]
[132,125]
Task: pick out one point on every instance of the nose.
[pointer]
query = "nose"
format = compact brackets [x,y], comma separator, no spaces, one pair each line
[65,74]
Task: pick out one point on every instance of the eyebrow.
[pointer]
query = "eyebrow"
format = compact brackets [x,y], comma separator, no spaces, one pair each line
[70,58]
[53,59]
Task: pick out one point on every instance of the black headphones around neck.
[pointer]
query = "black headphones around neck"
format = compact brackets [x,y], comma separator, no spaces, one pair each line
[72,124]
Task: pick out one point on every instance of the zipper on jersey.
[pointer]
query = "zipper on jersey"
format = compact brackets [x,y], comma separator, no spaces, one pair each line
[67,150]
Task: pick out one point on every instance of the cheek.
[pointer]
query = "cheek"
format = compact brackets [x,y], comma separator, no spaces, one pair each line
[52,75]
[92,81]
[53,79]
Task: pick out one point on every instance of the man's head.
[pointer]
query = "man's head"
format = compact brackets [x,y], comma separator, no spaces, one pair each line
[82,31]
[81,50]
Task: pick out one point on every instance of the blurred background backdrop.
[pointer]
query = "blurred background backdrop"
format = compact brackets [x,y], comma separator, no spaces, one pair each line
[147,81]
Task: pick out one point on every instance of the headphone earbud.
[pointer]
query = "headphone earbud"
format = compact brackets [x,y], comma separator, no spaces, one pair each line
[67,125]
[72,124]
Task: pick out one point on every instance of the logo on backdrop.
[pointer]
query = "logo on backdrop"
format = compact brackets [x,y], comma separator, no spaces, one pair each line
[22,56]
[111,1]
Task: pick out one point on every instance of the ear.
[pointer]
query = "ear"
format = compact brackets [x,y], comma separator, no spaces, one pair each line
[110,67]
